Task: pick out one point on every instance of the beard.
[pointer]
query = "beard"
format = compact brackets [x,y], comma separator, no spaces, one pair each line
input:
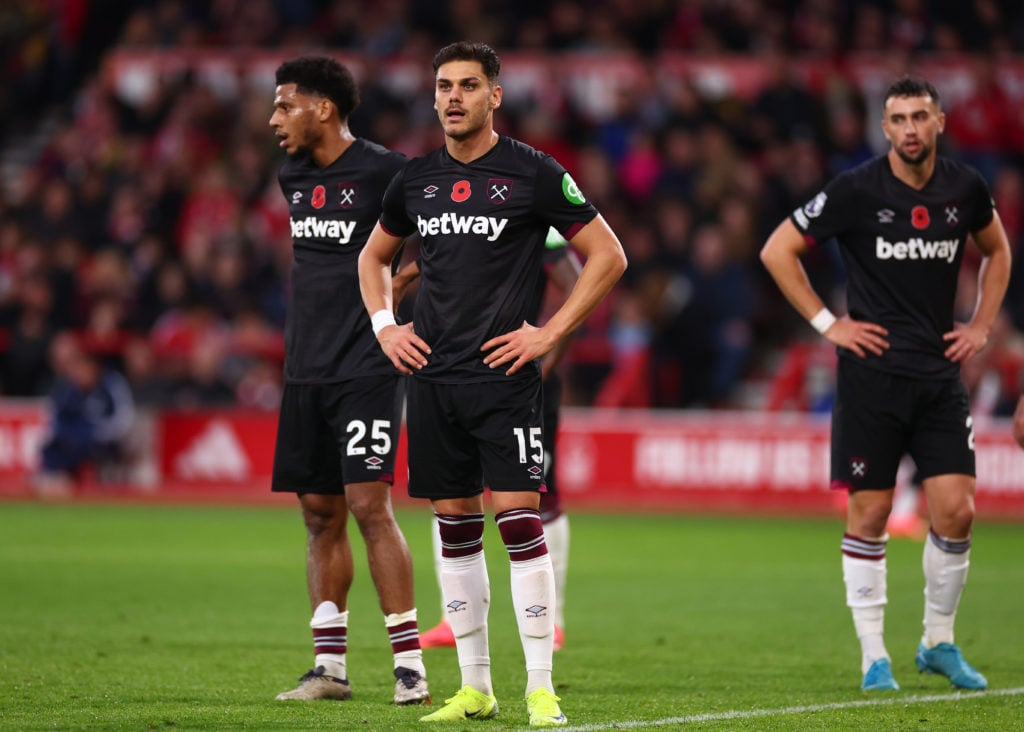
[922,154]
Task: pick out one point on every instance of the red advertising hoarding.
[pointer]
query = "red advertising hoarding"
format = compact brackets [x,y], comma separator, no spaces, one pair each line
[623,459]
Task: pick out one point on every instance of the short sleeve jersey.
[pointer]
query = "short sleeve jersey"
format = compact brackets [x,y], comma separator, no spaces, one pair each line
[902,249]
[483,227]
[328,337]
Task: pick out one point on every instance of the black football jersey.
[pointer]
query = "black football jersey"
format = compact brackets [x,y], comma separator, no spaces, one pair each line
[328,337]
[483,227]
[902,249]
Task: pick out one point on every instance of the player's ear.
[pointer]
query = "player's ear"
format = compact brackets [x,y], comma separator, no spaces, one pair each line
[942,121]
[496,96]
[323,109]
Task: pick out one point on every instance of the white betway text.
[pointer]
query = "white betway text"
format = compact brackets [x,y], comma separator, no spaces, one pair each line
[917,249]
[313,228]
[449,223]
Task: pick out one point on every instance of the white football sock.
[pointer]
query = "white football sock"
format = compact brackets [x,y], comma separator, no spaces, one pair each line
[556,536]
[945,563]
[435,536]
[533,594]
[865,581]
[466,594]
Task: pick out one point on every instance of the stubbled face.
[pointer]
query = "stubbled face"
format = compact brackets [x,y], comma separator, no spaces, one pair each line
[913,126]
[463,98]
[296,118]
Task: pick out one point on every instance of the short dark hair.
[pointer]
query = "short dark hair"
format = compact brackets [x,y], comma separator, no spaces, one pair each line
[470,51]
[324,76]
[911,86]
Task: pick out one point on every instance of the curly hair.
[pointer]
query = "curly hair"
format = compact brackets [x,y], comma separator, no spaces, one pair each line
[323,76]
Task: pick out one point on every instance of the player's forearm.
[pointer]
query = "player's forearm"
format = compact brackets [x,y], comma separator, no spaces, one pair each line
[375,282]
[993,279]
[602,270]
[791,277]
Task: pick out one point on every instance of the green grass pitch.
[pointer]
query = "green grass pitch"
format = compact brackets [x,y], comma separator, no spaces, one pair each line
[152,617]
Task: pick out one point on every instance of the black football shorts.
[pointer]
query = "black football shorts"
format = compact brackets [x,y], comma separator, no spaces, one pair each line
[878,417]
[465,436]
[330,435]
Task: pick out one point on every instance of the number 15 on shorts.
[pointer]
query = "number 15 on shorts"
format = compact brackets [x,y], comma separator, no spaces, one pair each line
[531,447]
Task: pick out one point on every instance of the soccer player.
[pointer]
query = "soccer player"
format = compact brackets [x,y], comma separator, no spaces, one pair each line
[902,221]
[562,269]
[340,407]
[483,204]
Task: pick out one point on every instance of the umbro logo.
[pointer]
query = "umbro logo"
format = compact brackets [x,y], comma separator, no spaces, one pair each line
[456,606]
[430,191]
[886,216]
[297,196]
[535,611]
[374,462]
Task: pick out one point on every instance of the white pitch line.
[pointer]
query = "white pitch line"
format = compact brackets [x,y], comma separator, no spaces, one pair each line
[753,713]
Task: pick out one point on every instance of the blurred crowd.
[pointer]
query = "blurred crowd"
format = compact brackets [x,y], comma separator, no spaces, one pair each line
[154,228]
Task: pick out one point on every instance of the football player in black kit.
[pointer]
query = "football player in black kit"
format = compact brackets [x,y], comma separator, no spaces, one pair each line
[902,221]
[562,270]
[483,204]
[339,416]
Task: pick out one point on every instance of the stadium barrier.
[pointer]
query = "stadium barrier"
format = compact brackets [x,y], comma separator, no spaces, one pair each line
[746,462]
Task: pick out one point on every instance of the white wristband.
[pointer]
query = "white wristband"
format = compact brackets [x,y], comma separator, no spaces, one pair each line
[822,321]
[381,320]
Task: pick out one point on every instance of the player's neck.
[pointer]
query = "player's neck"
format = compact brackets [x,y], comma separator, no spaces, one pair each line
[468,150]
[914,175]
[332,147]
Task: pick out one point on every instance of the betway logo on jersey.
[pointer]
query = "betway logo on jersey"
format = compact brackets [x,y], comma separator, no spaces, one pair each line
[917,249]
[449,223]
[313,228]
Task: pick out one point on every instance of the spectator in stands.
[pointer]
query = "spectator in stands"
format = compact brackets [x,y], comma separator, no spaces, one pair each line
[981,123]
[91,413]
[24,366]
[139,160]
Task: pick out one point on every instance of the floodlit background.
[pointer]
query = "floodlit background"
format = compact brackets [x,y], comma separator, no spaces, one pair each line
[139,209]
[140,220]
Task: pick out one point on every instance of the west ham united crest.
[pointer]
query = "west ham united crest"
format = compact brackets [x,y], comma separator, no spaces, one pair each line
[499,190]
[346,195]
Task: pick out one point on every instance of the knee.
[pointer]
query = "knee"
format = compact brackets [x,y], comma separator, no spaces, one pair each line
[371,512]
[323,521]
[955,521]
[868,521]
